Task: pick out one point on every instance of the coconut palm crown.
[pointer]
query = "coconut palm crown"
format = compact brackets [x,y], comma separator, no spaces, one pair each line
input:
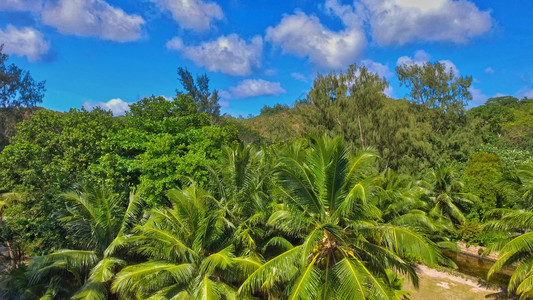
[343,250]
[99,220]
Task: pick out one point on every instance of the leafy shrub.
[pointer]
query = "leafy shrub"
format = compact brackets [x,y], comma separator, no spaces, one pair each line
[469,232]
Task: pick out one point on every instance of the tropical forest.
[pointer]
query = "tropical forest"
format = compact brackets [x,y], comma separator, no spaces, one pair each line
[369,185]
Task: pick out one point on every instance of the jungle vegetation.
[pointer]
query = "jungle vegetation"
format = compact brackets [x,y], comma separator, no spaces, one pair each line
[335,197]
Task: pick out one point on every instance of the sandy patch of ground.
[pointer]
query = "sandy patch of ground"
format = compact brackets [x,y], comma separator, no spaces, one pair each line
[424,270]
[440,285]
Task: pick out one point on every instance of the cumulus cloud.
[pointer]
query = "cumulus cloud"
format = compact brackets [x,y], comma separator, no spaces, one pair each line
[401,21]
[92,18]
[193,14]
[299,76]
[228,54]
[253,88]
[378,68]
[450,66]
[489,70]
[421,57]
[305,36]
[20,5]
[117,106]
[346,13]
[25,41]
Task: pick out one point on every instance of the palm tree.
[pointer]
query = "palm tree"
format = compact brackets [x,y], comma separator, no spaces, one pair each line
[516,250]
[99,222]
[520,185]
[401,201]
[445,195]
[188,249]
[243,186]
[343,250]
[399,198]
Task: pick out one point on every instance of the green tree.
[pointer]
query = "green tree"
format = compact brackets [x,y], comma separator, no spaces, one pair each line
[50,153]
[243,182]
[446,196]
[198,90]
[495,112]
[434,85]
[99,220]
[399,198]
[344,104]
[17,87]
[189,255]
[344,252]
[516,250]
[482,174]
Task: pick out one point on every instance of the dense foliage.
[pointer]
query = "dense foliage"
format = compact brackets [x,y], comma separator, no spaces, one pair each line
[335,198]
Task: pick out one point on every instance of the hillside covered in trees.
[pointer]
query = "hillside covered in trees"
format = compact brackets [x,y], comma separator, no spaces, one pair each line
[335,197]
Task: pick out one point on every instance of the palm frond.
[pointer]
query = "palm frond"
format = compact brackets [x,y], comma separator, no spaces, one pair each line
[278,269]
[147,277]
[308,284]
[221,260]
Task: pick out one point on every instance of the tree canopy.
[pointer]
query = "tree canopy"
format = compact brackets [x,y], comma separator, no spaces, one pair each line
[17,86]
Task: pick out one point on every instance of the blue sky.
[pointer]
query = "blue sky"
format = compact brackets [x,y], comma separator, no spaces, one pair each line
[111,52]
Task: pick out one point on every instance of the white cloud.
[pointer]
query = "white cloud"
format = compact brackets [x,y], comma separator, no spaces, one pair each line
[402,21]
[477,96]
[253,88]
[25,41]
[270,72]
[228,54]
[489,70]
[421,57]
[224,103]
[346,13]
[20,5]
[299,76]
[378,68]
[305,36]
[92,18]
[526,92]
[116,105]
[450,66]
[193,14]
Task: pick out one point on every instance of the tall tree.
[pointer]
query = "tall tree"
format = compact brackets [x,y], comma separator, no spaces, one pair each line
[345,253]
[434,85]
[17,87]
[188,253]
[100,220]
[516,250]
[446,194]
[206,100]
[345,103]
